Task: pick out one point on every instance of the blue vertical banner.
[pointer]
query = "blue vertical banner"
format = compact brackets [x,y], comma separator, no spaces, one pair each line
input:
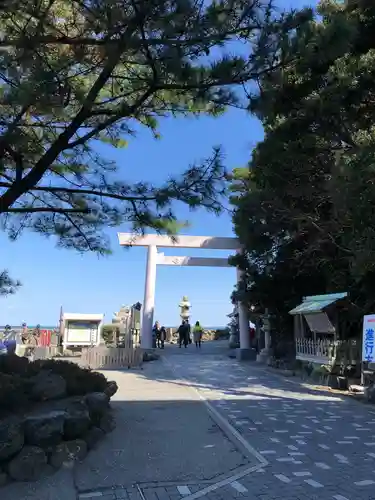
[368,339]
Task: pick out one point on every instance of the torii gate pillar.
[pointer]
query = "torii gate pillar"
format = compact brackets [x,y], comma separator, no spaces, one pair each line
[152,241]
[149,298]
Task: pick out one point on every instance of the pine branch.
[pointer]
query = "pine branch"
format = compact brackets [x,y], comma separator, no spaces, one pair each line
[57,210]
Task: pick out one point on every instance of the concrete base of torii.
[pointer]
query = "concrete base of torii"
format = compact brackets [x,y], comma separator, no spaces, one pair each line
[246,354]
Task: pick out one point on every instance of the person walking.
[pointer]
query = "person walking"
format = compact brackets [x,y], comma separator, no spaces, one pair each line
[188,332]
[197,334]
[183,334]
[162,337]
[156,335]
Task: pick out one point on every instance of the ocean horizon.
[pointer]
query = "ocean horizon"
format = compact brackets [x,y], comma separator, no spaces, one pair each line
[42,327]
[49,327]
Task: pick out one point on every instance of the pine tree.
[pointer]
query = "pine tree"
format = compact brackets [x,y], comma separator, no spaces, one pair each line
[304,205]
[74,72]
[7,284]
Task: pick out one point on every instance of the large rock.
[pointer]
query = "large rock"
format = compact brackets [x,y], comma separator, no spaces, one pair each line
[98,404]
[107,423]
[65,404]
[93,437]
[111,389]
[47,385]
[28,465]
[67,452]
[150,356]
[77,420]
[45,429]
[11,437]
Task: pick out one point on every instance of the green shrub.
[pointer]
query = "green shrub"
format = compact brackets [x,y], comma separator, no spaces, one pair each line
[13,364]
[14,391]
[110,333]
[16,380]
[78,380]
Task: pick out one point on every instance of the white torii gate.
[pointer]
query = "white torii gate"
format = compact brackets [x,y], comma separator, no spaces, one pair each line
[152,241]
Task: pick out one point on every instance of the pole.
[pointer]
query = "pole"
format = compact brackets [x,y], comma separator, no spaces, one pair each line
[61,328]
[149,298]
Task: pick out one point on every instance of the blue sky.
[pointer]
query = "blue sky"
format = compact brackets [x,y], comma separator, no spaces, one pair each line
[53,277]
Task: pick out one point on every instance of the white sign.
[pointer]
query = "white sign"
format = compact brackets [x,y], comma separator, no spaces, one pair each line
[79,332]
[82,329]
[368,338]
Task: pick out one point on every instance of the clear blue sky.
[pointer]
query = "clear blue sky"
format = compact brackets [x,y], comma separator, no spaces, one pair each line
[53,277]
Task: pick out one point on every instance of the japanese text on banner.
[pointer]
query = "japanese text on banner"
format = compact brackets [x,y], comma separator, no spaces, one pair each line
[368,342]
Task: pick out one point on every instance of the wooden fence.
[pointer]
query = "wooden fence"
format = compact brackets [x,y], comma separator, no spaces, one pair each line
[35,353]
[128,356]
[327,351]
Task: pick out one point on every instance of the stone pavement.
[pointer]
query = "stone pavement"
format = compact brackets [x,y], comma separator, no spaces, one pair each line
[165,441]
[317,445]
[201,425]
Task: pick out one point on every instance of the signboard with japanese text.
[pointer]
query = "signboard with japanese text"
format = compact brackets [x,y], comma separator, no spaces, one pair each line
[368,339]
[82,332]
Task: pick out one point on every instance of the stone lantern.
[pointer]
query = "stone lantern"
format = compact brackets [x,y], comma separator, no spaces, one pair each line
[184,306]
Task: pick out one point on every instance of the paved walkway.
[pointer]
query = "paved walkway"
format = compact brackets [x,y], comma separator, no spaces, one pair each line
[316,445]
[164,435]
[201,425]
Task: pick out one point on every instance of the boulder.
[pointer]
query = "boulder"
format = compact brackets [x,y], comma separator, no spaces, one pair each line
[66,404]
[111,389]
[107,423]
[45,429]
[28,465]
[77,420]
[67,452]
[150,356]
[98,404]
[93,436]
[11,437]
[47,385]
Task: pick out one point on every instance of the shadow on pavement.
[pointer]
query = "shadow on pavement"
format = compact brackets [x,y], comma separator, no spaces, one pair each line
[165,434]
[159,441]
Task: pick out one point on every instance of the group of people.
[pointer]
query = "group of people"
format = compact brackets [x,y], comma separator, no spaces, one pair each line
[159,334]
[184,335]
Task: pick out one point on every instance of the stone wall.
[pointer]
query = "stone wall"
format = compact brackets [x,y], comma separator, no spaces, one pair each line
[55,431]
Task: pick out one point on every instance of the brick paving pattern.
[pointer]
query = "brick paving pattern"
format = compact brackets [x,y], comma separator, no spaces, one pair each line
[315,445]
[318,445]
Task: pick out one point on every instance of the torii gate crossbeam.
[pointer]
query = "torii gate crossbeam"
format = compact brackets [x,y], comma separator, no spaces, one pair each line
[152,241]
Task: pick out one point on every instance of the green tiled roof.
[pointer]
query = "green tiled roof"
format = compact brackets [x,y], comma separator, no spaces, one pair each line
[316,303]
